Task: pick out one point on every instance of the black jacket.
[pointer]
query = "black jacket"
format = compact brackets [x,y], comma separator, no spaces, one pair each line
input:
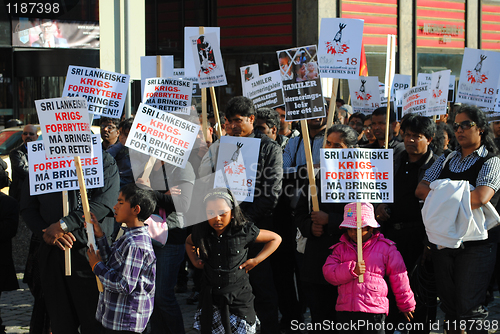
[20,171]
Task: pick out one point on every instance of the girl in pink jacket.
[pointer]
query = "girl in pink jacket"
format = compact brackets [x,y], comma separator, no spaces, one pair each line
[362,307]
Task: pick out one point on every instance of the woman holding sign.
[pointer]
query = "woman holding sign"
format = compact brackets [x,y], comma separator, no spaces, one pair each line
[321,228]
[463,273]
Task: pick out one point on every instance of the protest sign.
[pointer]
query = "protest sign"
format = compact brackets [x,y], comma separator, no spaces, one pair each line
[48,175]
[339,48]
[207,60]
[105,91]
[162,135]
[189,57]
[437,101]
[424,79]
[301,83]
[266,90]
[65,126]
[180,74]
[390,63]
[236,166]
[149,68]
[479,77]
[248,73]
[451,89]
[383,95]
[415,100]
[400,82]
[365,94]
[356,175]
[172,95]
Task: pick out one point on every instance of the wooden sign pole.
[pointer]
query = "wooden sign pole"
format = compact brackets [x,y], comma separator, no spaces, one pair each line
[331,108]
[67,250]
[86,208]
[204,116]
[359,237]
[392,43]
[310,167]
[216,112]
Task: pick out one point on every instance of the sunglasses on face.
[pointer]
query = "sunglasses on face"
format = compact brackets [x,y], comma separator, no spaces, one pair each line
[28,134]
[465,125]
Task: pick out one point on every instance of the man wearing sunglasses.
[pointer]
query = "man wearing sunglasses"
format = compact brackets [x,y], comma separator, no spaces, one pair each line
[19,161]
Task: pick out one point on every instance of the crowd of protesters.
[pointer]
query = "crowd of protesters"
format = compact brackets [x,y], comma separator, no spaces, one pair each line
[253,261]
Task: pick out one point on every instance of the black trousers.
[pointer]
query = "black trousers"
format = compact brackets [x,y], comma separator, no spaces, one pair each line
[360,322]
[71,300]
[266,298]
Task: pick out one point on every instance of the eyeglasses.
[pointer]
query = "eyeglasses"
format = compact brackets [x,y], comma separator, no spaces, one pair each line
[28,134]
[465,125]
[369,127]
[109,126]
[355,123]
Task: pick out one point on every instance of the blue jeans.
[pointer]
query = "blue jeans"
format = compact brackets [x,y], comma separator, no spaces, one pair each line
[462,278]
[167,316]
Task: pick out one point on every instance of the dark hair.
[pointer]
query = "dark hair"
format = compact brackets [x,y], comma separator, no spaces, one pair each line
[340,100]
[126,124]
[142,197]
[239,105]
[115,121]
[270,116]
[203,229]
[382,111]
[348,134]
[479,117]
[359,115]
[419,124]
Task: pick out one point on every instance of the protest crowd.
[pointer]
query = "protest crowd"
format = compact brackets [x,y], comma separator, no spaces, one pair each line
[371,220]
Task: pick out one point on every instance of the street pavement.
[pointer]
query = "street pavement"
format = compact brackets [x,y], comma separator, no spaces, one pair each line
[16,306]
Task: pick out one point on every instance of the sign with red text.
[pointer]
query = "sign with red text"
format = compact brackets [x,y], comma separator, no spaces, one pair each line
[437,101]
[339,48]
[104,91]
[162,135]
[49,175]
[65,126]
[189,57]
[365,94]
[479,78]
[248,73]
[356,175]
[172,95]
[415,100]
[207,60]
[236,162]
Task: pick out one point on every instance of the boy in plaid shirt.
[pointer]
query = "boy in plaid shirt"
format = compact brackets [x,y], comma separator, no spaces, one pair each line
[127,269]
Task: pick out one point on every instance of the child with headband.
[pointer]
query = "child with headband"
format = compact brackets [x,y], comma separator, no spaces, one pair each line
[219,246]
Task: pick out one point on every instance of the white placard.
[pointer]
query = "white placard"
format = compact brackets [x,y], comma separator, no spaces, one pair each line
[479,78]
[189,58]
[105,91]
[266,90]
[365,94]
[437,102]
[339,48]
[356,175]
[172,95]
[65,126]
[415,100]
[248,73]
[148,68]
[400,82]
[49,175]
[390,67]
[162,135]
[236,166]
[424,79]
[208,61]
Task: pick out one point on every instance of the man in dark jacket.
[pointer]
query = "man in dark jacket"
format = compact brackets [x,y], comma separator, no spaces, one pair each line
[401,221]
[19,161]
[73,299]
[379,119]
[240,114]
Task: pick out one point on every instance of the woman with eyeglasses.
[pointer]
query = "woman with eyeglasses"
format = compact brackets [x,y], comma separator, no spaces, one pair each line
[463,274]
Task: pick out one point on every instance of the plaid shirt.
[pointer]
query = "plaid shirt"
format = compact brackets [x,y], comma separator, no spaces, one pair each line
[488,175]
[127,273]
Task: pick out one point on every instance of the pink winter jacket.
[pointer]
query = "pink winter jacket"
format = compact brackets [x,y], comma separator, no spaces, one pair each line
[381,258]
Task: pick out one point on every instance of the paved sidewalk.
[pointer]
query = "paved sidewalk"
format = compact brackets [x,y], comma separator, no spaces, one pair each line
[15,307]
